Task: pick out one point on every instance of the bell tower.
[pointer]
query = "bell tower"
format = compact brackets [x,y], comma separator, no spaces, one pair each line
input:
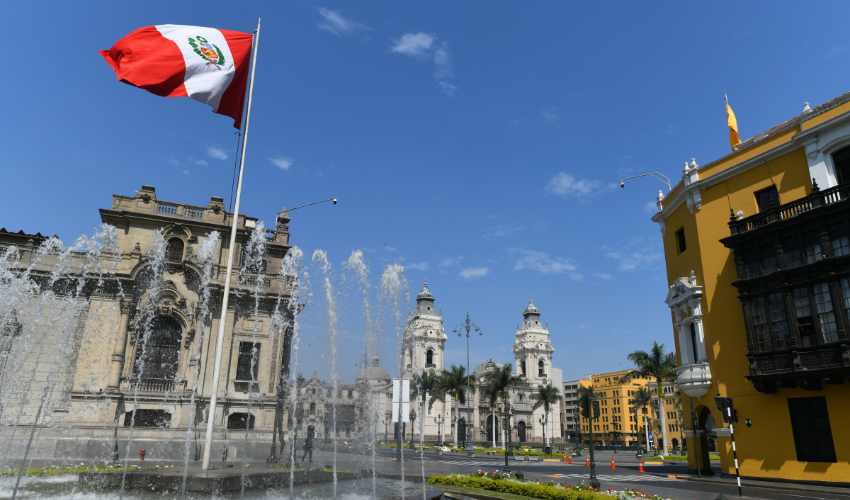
[533,348]
[424,337]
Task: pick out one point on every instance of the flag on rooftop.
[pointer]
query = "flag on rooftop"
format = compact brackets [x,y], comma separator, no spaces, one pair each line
[206,64]
[732,123]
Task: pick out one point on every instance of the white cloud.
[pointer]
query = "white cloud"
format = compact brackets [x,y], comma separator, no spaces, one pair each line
[417,266]
[543,263]
[282,162]
[567,186]
[185,171]
[334,22]
[451,261]
[216,153]
[424,46]
[471,273]
[201,163]
[414,44]
[603,276]
[634,254]
[550,115]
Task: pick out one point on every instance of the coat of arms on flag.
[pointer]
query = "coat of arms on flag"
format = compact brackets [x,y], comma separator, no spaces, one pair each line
[207,50]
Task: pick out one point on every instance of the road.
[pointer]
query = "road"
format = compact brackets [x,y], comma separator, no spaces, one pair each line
[655,480]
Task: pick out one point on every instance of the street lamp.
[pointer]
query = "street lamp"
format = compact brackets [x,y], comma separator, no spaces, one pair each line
[507,413]
[466,330]
[332,201]
[439,421]
[649,173]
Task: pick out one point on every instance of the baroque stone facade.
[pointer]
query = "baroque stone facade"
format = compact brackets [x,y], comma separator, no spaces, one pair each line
[100,374]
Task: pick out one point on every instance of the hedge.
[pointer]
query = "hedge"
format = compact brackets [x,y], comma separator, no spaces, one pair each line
[514,487]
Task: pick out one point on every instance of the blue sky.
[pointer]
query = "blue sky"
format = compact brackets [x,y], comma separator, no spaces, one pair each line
[477,143]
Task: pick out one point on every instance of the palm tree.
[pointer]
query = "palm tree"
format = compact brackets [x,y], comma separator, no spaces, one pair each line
[588,404]
[546,396]
[661,366]
[425,384]
[455,383]
[641,399]
[500,382]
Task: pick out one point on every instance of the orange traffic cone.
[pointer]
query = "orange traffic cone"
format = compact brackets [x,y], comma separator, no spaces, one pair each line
[641,468]
[565,458]
[614,463]
[570,459]
[587,462]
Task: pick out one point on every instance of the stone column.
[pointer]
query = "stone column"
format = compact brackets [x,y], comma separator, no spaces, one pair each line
[118,351]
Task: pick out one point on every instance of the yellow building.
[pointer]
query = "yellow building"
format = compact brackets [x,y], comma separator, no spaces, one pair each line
[622,423]
[757,246]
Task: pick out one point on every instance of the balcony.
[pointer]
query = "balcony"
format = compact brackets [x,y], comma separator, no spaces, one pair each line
[809,367]
[789,211]
[694,379]
[156,385]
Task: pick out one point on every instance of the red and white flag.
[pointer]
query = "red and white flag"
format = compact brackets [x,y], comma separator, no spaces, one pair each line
[207,64]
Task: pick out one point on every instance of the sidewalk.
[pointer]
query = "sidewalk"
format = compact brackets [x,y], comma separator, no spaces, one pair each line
[765,483]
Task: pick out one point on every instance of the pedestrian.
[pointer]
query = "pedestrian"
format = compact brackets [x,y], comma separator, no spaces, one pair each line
[308,444]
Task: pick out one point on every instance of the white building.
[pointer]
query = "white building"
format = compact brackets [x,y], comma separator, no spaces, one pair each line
[424,348]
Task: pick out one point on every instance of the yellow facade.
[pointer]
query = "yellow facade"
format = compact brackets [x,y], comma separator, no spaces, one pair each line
[620,421]
[700,206]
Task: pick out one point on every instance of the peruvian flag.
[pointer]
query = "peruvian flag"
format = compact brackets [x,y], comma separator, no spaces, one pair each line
[207,64]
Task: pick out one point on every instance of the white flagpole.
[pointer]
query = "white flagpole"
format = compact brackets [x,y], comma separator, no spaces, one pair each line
[219,345]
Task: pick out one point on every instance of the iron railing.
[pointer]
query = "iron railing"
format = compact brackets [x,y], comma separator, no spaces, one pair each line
[791,210]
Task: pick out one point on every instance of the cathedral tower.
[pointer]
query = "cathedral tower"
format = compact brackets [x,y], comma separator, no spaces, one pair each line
[533,348]
[425,337]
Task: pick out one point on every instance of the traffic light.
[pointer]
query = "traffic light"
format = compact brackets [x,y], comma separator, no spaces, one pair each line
[729,413]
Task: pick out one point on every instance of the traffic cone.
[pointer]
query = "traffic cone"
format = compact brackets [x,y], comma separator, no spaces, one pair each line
[614,463]
[641,468]
[565,458]
[570,459]
[587,462]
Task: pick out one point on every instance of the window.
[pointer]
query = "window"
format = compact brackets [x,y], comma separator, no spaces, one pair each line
[522,367]
[803,311]
[429,357]
[841,161]
[693,329]
[826,318]
[312,408]
[174,250]
[767,199]
[350,394]
[541,368]
[840,246]
[158,353]
[778,323]
[758,324]
[147,418]
[240,421]
[681,245]
[248,367]
[811,429]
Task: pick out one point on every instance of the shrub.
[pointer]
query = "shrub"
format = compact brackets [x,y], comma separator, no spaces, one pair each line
[514,487]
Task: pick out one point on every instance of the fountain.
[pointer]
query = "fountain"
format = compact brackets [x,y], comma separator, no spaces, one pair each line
[105,362]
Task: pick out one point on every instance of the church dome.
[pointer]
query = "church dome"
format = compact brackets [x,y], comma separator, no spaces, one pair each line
[425,293]
[530,309]
[375,371]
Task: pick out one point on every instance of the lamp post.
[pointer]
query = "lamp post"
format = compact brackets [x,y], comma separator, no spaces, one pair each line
[466,330]
[439,420]
[506,419]
[648,173]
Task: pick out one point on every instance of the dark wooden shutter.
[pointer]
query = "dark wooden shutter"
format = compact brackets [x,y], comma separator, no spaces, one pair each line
[812,432]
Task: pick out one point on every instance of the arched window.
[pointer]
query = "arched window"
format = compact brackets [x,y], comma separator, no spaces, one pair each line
[240,421]
[429,357]
[312,408]
[174,250]
[157,354]
[541,368]
[522,367]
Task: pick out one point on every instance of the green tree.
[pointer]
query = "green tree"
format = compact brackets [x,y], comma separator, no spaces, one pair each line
[641,399]
[455,382]
[659,365]
[500,382]
[546,396]
[490,392]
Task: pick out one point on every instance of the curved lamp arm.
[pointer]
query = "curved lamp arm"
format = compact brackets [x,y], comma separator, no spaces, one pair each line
[649,173]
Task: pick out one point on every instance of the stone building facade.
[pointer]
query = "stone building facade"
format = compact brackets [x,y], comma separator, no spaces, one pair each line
[137,345]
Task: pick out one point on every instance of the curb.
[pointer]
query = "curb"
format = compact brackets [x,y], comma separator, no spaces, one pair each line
[808,487]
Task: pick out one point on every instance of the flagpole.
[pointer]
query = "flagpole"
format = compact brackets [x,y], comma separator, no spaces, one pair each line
[219,345]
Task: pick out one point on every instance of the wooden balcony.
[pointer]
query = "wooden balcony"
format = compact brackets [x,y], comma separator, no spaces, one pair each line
[809,367]
[793,210]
